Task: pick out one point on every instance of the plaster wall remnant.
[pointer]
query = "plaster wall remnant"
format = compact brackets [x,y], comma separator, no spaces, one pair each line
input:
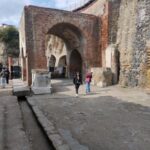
[56,47]
[92,30]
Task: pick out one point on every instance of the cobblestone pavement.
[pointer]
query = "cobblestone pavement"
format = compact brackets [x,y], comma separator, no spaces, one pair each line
[12,135]
[111,118]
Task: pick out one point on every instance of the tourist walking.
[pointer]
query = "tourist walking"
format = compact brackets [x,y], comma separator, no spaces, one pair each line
[87,82]
[7,75]
[3,78]
[77,80]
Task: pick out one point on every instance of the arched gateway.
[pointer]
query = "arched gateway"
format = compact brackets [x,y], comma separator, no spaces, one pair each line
[75,63]
[80,33]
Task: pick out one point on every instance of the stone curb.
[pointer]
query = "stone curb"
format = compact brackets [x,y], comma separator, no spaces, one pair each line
[49,128]
[1,127]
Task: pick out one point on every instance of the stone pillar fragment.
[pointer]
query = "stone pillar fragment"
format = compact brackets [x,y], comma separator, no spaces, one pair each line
[41,81]
[102,77]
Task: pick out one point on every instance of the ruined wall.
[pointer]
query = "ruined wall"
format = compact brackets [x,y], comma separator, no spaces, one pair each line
[38,23]
[113,15]
[23,55]
[100,8]
[125,24]
[121,23]
[95,8]
[133,34]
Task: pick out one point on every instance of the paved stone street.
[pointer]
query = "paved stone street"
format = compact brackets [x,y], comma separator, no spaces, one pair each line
[12,135]
[111,118]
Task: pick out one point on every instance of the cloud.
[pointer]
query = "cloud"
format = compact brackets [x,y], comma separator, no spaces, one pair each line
[11,10]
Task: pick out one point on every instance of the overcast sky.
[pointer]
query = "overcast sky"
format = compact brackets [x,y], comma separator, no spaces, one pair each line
[10,10]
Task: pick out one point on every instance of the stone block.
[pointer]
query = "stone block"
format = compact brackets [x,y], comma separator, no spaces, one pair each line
[41,81]
[101,77]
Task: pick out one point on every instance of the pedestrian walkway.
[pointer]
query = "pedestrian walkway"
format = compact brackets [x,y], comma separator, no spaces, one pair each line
[134,95]
[12,135]
[112,118]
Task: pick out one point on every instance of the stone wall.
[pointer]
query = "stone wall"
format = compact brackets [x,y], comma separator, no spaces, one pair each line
[113,15]
[95,8]
[100,8]
[23,49]
[125,24]
[39,22]
[133,34]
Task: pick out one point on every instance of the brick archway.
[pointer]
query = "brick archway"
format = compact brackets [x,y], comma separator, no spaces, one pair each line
[52,61]
[75,43]
[79,31]
[76,63]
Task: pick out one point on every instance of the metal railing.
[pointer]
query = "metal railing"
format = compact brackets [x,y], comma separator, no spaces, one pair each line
[76,4]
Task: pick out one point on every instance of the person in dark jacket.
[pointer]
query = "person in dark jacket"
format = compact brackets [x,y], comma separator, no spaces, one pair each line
[7,75]
[77,80]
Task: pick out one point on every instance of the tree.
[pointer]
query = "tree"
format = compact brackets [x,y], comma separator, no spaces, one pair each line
[10,37]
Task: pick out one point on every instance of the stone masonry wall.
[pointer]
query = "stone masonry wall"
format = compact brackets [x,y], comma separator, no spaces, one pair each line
[123,23]
[133,34]
[100,8]
[39,21]
[113,15]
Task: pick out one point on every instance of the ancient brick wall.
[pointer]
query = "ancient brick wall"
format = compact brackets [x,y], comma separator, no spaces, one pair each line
[126,25]
[40,21]
[100,8]
[123,23]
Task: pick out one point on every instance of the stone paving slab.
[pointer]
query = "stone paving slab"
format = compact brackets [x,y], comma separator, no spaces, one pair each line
[49,128]
[13,136]
[20,88]
[1,127]
[111,118]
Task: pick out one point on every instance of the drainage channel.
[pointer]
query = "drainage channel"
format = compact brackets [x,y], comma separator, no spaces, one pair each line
[37,137]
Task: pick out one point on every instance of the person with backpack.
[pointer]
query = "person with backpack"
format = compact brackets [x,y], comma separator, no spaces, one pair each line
[87,82]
